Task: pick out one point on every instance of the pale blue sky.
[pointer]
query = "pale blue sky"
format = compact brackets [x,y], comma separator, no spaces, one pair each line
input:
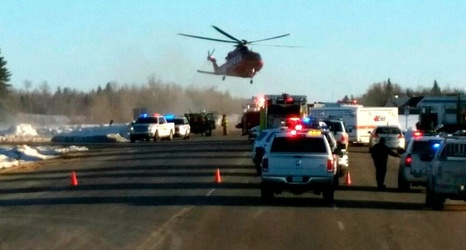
[347,45]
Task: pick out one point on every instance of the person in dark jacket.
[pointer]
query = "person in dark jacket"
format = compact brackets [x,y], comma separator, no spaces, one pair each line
[380,153]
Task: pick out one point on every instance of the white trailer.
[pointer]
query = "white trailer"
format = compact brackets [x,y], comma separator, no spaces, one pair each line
[359,120]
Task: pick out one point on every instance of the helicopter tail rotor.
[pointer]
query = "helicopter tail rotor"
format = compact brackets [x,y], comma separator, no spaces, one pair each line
[210,56]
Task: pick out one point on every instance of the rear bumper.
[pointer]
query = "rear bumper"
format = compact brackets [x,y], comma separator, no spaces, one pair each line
[297,184]
[453,193]
[415,179]
[140,136]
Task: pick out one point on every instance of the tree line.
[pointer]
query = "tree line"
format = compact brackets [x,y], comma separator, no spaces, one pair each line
[117,101]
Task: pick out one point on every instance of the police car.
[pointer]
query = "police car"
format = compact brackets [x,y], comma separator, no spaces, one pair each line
[413,171]
[258,148]
[447,172]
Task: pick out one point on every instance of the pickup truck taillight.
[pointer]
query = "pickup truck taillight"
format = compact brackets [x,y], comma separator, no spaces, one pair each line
[265,164]
[330,166]
[343,139]
[408,160]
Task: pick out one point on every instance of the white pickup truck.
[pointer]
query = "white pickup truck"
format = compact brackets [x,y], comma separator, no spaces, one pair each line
[147,127]
[299,163]
[447,172]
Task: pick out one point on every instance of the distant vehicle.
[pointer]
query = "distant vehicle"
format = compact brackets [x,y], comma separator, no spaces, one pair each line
[277,110]
[261,142]
[253,133]
[338,127]
[151,127]
[202,123]
[413,171]
[250,119]
[447,172]
[394,138]
[182,127]
[359,120]
[298,163]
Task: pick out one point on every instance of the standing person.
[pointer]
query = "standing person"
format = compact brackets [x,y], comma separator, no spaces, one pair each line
[380,153]
[225,125]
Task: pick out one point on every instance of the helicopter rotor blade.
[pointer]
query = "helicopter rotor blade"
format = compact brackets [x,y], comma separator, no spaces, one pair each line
[207,38]
[227,35]
[270,38]
[275,45]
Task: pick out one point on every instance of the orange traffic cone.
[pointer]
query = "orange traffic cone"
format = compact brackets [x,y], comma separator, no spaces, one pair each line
[218,179]
[348,179]
[74,179]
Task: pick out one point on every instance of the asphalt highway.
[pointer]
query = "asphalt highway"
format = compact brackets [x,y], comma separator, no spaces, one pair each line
[163,195]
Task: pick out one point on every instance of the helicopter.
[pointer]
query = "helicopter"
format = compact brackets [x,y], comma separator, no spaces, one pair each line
[241,62]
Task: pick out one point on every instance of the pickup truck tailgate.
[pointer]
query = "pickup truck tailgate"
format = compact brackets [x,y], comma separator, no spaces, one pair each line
[298,165]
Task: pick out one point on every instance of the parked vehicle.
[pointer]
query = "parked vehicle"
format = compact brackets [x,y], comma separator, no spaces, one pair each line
[298,163]
[253,133]
[338,127]
[182,127]
[202,123]
[147,127]
[261,142]
[394,138]
[447,172]
[413,171]
[359,120]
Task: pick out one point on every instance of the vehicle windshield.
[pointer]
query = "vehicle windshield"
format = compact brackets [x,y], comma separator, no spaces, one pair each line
[146,120]
[388,130]
[298,145]
[335,126]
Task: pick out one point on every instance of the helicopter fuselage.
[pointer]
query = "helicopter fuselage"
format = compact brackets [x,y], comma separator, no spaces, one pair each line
[240,63]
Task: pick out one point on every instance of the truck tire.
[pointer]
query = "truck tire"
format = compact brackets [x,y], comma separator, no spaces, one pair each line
[156,136]
[329,195]
[170,137]
[266,194]
[403,185]
[434,201]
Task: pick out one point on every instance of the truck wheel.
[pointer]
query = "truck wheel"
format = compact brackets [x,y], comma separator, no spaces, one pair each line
[328,195]
[336,181]
[156,136]
[434,201]
[403,185]
[170,137]
[266,194]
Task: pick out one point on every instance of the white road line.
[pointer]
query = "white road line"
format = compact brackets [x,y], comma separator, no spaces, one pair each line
[210,192]
[341,226]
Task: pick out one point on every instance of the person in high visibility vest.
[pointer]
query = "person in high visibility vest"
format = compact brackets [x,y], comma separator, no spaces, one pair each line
[225,125]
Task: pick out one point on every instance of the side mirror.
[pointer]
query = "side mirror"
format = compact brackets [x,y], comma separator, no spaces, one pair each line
[426,157]
[350,130]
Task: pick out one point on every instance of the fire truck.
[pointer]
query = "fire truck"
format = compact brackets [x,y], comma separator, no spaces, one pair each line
[281,110]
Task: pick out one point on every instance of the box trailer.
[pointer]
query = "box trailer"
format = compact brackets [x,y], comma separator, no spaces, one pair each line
[359,120]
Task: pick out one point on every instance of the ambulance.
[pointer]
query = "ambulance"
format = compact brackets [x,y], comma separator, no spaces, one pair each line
[359,120]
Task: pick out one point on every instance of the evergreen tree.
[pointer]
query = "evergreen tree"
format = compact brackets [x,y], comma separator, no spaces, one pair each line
[4,78]
[435,89]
